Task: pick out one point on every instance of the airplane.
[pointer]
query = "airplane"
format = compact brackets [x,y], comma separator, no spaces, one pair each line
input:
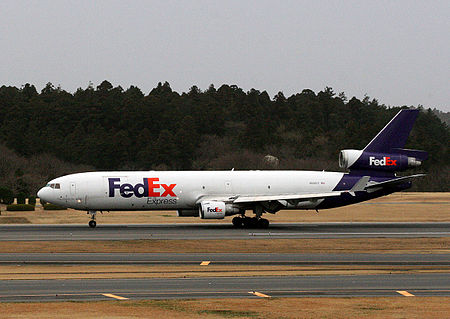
[217,194]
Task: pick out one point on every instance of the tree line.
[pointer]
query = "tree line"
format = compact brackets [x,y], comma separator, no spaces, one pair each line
[111,128]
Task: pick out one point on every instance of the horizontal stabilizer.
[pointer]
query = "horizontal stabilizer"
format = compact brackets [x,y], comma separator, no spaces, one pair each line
[393,181]
[417,154]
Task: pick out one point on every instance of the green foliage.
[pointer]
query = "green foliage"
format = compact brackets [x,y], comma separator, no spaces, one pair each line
[217,128]
[53,207]
[32,200]
[6,195]
[21,198]
[19,207]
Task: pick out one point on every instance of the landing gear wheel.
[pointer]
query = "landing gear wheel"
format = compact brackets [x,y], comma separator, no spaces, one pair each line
[250,222]
[263,223]
[237,221]
[92,222]
[247,222]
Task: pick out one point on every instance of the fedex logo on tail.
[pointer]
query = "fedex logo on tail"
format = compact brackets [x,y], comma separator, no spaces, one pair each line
[148,188]
[385,161]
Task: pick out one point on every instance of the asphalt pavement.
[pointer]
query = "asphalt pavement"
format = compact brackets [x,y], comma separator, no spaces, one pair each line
[221,231]
[291,259]
[226,287]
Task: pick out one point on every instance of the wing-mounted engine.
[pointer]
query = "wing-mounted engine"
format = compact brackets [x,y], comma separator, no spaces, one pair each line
[217,210]
[397,160]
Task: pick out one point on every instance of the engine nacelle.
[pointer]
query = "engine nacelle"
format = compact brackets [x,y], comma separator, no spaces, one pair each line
[357,159]
[216,210]
[348,157]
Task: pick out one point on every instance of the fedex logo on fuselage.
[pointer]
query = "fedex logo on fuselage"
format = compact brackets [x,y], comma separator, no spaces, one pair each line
[148,188]
[385,161]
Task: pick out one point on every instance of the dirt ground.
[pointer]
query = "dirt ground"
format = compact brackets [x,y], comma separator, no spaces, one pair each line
[48,272]
[333,308]
[302,245]
[398,207]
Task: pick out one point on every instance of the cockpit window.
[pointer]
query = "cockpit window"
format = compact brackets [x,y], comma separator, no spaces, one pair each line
[54,185]
[57,186]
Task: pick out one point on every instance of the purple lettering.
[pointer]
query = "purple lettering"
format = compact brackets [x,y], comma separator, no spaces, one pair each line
[126,190]
[113,185]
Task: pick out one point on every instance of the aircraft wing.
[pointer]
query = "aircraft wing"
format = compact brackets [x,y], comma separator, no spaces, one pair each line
[362,185]
[240,199]
[299,197]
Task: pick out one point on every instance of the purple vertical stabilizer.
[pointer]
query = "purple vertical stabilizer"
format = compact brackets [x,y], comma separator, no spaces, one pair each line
[385,155]
[394,134]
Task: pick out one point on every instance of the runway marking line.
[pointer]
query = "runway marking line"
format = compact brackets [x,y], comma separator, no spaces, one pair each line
[205,263]
[115,296]
[259,294]
[405,293]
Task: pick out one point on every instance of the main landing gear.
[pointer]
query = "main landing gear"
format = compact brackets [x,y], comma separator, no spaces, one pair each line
[92,222]
[255,222]
[248,222]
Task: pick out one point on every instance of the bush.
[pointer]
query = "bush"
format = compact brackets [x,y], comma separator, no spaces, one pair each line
[32,200]
[6,196]
[19,207]
[53,207]
[21,198]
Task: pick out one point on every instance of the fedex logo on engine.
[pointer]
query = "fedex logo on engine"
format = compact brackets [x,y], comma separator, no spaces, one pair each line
[148,188]
[214,210]
[385,161]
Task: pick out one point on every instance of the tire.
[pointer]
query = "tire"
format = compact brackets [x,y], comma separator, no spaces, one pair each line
[237,222]
[247,222]
[92,223]
[263,223]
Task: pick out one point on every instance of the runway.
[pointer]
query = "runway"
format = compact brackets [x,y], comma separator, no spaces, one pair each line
[223,259]
[420,283]
[221,231]
[226,287]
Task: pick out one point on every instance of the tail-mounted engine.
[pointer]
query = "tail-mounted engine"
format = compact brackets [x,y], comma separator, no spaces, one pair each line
[398,160]
[217,210]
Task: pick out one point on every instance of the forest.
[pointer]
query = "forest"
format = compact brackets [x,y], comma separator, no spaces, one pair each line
[53,132]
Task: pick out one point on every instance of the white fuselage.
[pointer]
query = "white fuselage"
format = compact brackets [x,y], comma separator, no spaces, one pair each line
[172,190]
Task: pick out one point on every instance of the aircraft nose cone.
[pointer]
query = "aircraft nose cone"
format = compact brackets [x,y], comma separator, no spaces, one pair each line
[41,193]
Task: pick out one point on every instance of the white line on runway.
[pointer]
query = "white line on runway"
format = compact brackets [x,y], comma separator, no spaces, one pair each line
[115,296]
[405,293]
[259,294]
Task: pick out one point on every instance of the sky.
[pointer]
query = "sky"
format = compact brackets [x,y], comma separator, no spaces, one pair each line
[395,51]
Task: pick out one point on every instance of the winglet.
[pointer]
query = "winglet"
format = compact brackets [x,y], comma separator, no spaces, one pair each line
[360,185]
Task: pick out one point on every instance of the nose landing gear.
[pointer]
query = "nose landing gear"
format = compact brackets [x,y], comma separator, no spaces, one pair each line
[92,222]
